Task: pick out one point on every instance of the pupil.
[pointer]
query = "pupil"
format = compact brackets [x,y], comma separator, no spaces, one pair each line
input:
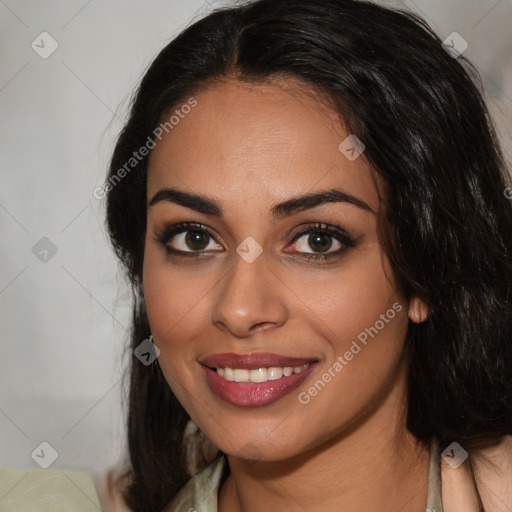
[316,240]
[196,240]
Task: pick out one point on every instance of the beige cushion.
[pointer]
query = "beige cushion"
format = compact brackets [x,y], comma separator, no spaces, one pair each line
[43,490]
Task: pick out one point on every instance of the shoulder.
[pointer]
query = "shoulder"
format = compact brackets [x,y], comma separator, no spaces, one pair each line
[488,478]
[42,489]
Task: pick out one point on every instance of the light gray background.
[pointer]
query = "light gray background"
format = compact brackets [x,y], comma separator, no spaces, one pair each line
[64,321]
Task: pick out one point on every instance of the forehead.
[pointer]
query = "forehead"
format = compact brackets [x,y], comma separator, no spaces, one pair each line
[261,143]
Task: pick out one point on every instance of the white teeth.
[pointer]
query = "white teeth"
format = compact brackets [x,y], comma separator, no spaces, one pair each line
[240,375]
[275,373]
[258,375]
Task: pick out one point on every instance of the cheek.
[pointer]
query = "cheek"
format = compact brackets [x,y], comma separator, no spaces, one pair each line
[170,302]
[178,304]
[175,298]
[354,300]
[365,322]
[357,377]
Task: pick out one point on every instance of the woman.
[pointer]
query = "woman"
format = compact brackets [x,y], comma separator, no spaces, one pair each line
[310,202]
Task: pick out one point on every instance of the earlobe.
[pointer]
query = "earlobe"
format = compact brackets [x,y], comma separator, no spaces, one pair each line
[418,310]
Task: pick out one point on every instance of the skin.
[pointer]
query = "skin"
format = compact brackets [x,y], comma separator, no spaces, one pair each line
[250,147]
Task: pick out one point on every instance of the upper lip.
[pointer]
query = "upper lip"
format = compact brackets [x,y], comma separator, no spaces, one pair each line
[254,360]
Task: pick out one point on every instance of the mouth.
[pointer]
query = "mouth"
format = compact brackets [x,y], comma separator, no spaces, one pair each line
[255,380]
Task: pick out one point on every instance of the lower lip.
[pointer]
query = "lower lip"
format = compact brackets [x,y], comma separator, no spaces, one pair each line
[250,394]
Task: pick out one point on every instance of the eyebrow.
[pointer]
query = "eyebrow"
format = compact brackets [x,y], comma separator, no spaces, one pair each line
[210,206]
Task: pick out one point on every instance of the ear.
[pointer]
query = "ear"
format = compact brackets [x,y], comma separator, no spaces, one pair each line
[418,310]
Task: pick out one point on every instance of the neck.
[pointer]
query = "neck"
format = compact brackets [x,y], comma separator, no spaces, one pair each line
[375,465]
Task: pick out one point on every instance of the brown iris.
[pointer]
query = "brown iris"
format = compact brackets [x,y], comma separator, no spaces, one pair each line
[196,240]
[320,242]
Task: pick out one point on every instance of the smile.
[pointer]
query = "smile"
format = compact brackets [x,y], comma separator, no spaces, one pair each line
[257,379]
[258,375]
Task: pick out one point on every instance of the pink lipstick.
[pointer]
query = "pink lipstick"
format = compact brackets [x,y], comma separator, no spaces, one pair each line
[255,380]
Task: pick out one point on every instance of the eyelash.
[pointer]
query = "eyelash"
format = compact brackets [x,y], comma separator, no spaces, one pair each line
[165,236]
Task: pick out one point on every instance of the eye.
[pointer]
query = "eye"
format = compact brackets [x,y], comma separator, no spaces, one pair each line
[314,242]
[188,239]
[321,242]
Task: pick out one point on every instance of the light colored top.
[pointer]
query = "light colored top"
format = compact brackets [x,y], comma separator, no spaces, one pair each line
[201,492]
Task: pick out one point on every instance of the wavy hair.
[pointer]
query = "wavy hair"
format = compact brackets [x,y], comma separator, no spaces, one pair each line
[446,223]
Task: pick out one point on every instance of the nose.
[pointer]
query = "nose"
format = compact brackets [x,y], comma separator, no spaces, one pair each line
[249,298]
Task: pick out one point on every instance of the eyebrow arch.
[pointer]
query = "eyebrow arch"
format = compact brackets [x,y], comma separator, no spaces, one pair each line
[209,206]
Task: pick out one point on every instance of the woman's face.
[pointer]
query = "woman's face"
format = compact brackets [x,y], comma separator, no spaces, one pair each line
[271,275]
